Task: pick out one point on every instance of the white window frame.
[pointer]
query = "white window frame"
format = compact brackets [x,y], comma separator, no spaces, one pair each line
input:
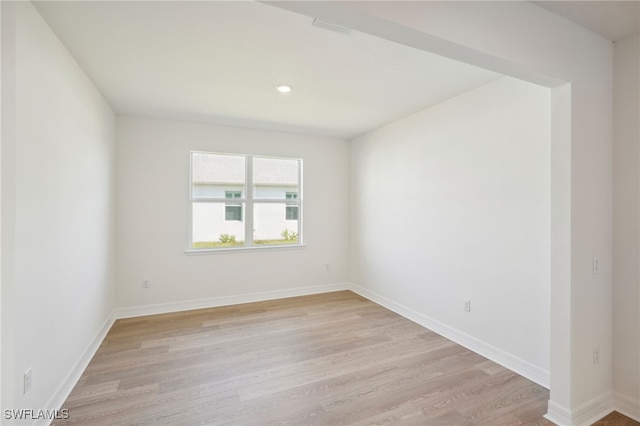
[248,202]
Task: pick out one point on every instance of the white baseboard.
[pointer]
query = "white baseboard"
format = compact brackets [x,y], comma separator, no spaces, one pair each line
[187,305]
[558,414]
[628,406]
[514,363]
[70,380]
[585,415]
[593,410]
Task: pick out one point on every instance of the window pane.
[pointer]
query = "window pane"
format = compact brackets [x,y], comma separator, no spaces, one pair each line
[211,229]
[292,213]
[232,194]
[233,212]
[221,203]
[270,224]
[274,178]
[215,175]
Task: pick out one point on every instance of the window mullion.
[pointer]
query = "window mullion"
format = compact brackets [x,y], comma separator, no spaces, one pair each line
[191,200]
[299,201]
[248,184]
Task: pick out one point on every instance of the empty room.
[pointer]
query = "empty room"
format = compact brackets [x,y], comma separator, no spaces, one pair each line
[320,212]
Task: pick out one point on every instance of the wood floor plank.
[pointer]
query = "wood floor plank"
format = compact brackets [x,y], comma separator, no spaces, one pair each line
[328,359]
[616,419]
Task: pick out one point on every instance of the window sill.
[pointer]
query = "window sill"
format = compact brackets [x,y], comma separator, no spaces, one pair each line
[201,252]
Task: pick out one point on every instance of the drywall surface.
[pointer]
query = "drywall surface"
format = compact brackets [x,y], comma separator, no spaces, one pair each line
[526,35]
[626,255]
[61,247]
[523,40]
[7,203]
[153,164]
[453,203]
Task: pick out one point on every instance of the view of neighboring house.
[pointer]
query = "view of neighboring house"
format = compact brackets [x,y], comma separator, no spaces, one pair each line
[221,203]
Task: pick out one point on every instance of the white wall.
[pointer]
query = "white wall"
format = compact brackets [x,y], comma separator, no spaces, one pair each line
[61,244]
[626,290]
[454,203]
[7,202]
[523,40]
[516,38]
[153,214]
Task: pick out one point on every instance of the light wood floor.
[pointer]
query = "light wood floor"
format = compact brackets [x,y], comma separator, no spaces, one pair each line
[329,359]
[616,419]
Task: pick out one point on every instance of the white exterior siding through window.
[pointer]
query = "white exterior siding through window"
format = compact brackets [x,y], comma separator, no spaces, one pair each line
[222,176]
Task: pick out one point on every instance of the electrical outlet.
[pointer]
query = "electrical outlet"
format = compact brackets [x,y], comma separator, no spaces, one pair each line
[327,267]
[145,284]
[27,380]
[467,305]
[596,266]
[596,354]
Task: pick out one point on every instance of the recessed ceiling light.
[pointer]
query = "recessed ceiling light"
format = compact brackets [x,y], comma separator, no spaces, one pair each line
[284,88]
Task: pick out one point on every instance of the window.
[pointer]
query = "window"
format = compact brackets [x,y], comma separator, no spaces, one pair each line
[291,212]
[245,201]
[233,211]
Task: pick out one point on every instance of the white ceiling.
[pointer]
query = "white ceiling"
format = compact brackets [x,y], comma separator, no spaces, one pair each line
[220,62]
[613,20]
